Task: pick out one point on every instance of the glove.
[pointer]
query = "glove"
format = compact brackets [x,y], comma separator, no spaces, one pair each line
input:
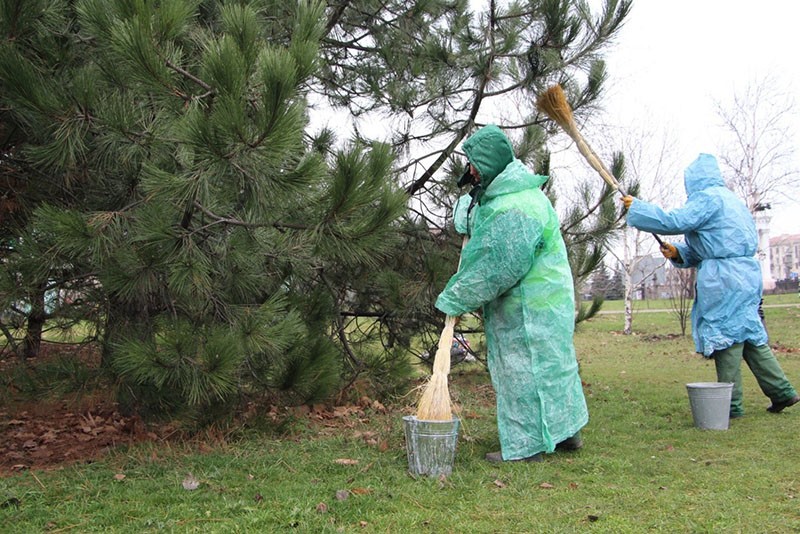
[669,251]
[627,200]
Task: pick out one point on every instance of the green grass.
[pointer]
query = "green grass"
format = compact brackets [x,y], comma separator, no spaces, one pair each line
[644,466]
[666,304]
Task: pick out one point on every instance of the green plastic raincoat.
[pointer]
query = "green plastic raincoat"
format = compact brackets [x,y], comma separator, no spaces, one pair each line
[515,268]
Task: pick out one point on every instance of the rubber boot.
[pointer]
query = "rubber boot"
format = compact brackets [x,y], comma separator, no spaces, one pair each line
[769,375]
[571,444]
[728,363]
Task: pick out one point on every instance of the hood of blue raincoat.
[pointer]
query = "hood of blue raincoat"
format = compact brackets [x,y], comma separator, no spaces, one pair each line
[490,151]
[701,174]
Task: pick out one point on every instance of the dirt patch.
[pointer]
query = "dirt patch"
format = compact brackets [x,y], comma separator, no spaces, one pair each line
[43,434]
[54,434]
[662,337]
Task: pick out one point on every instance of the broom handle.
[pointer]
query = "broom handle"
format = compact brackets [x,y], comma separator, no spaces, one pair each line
[593,160]
[441,362]
[597,164]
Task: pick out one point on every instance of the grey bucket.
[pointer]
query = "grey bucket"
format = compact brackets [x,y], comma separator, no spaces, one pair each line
[711,404]
[430,445]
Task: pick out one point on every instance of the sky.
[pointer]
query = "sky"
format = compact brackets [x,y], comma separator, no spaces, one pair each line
[673,61]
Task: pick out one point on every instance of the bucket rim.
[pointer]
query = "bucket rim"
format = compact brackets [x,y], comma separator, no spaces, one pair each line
[415,418]
[709,385]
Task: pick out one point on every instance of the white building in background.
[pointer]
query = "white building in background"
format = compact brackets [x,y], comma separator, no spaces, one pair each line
[784,251]
[762,218]
[649,277]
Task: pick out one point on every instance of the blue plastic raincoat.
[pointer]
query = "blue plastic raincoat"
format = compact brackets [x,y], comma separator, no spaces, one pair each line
[515,267]
[721,241]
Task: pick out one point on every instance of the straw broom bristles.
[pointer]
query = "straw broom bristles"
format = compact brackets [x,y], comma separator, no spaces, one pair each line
[434,405]
[554,103]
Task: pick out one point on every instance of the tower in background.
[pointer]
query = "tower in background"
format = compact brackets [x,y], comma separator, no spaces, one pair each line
[763,218]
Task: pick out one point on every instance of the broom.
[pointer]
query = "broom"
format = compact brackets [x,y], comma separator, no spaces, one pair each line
[434,404]
[554,104]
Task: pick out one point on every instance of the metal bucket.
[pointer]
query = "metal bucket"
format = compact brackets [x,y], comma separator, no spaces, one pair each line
[711,404]
[430,445]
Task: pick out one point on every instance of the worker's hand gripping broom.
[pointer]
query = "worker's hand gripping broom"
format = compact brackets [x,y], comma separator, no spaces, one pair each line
[434,405]
[554,103]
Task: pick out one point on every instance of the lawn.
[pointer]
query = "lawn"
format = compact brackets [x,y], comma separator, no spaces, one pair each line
[644,466]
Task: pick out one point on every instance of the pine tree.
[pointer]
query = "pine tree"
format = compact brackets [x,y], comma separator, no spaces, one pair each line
[210,228]
[219,248]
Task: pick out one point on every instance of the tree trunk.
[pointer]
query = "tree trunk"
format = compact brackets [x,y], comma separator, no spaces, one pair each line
[628,328]
[36,319]
[628,285]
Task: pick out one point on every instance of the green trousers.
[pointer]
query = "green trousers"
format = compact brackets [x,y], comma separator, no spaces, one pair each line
[765,368]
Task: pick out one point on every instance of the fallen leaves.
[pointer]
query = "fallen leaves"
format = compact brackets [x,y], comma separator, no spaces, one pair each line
[59,435]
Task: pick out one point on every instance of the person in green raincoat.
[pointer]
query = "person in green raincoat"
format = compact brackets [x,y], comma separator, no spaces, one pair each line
[514,267]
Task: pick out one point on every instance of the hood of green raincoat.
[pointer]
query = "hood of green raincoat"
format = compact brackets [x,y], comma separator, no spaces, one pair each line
[701,174]
[515,177]
[490,151]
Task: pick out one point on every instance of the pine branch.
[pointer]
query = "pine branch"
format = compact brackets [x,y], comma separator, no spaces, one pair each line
[188,75]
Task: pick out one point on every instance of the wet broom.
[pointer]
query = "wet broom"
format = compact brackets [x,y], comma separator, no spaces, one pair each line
[434,404]
[554,104]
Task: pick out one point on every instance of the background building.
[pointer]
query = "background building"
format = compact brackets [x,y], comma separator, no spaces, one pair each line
[784,252]
[762,219]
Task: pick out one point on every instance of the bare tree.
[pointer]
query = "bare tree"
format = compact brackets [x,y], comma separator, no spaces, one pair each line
[681,288]
[757,153]
[649,162]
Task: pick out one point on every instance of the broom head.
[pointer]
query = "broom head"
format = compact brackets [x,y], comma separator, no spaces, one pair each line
[434,405]
[553,102]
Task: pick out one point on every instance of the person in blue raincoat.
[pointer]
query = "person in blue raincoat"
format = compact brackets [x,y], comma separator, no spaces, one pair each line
[514,267]
[721,242]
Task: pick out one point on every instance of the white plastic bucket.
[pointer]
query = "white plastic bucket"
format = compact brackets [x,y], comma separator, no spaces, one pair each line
[430,445]
[711,404]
